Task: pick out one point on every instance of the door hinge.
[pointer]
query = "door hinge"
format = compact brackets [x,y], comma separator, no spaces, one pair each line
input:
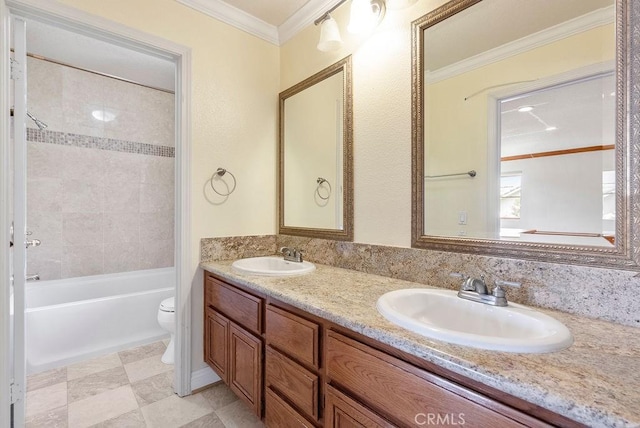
[16,70]
[16,393]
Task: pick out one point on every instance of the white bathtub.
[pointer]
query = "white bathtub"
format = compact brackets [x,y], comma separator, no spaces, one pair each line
[71,320]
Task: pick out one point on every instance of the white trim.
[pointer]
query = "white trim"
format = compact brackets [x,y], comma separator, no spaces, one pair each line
[203,377]
[561,31]
[5,221]
[112,32]
[235,17]
[304,17]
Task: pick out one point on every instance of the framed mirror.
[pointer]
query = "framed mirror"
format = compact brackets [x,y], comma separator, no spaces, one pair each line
[522,131]
[316,156]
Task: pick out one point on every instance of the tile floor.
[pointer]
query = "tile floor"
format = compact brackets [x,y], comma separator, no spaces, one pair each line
[131,388]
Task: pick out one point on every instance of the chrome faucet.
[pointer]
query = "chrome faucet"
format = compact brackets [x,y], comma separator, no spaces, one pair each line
[476,290]
[291,254]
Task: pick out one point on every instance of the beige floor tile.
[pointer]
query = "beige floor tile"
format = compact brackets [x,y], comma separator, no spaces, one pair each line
[154,388]
[96,383]
[48,378]
[102,407]
[174,411]
[128,420]
[56,418]
[238,415]
[143,369]
[208,421]
[95,365]
[142,352]
[46,399]
[219,396]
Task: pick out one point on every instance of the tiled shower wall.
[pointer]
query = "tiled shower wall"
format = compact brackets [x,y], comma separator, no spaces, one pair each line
[100,195]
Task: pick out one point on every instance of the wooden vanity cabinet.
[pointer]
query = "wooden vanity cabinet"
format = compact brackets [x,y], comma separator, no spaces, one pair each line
[233,344]
[304,371]
[292,372]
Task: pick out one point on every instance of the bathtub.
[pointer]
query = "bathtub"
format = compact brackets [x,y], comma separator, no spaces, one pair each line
[71,320]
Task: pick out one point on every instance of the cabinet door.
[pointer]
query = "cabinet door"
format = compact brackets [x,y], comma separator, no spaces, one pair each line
[216,343]
[343,412]
[245,370]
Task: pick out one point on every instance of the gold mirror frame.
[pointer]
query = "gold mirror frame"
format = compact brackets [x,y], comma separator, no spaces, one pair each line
[346,234]
[626,253]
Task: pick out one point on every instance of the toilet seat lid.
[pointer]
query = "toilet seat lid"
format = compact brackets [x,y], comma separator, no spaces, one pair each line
[168,305]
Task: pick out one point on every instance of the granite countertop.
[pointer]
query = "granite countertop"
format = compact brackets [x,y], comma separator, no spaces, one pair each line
[596,381]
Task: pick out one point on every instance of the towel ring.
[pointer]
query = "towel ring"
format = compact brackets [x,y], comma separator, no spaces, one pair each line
[320,182]
[221,172]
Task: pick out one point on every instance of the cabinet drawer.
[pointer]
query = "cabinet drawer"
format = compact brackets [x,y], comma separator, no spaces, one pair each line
[344,412]
[293,335]
[241,307]
[373,377]
[294,382]
[279,414]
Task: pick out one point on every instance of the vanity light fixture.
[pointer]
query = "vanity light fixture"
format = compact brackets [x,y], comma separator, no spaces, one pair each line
[330,39]
[365,15]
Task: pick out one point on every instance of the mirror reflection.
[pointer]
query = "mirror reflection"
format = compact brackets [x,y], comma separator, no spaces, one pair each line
[520,123]
[315,147]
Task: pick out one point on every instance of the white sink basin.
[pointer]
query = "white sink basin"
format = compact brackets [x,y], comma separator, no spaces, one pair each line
[442,315]
[271,266]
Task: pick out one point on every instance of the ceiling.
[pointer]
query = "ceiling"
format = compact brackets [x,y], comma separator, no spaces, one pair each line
[274,12]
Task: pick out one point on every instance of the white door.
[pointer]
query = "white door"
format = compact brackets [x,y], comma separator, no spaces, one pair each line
[19,248]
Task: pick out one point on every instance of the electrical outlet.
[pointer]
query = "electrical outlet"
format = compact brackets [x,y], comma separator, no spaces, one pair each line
[462,217]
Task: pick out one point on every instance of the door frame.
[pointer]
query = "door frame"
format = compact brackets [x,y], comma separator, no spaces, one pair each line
[119,34]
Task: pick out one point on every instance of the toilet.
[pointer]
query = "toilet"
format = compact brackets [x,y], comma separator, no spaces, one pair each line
[167,320]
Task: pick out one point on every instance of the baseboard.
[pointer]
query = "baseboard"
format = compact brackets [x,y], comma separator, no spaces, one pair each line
[203,377]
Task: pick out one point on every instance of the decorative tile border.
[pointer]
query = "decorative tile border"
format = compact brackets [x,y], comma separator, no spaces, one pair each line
[89,142]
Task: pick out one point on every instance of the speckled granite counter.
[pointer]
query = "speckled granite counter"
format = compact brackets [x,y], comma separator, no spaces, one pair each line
[596,381]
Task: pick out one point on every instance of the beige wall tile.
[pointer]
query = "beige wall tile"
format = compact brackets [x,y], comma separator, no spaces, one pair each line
[43,194]
[83,164]
[45,226]
[45,260]
[82,229]
[122,197]
[157,226]
[156,197]
[157,254]
[82,260]
[121,257]
[44,160]
[158,170]
[124,167]
[121,227]
[79,196]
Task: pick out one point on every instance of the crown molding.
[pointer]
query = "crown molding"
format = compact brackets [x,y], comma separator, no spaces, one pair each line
[235,17]
[304,17]
[561,31]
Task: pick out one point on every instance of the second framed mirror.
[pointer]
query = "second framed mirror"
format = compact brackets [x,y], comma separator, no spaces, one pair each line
[316,156]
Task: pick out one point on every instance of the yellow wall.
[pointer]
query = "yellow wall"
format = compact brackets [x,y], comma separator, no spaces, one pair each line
[382,115]
[235,83]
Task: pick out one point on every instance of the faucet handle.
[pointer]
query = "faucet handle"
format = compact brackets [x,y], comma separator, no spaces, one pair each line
[514,284]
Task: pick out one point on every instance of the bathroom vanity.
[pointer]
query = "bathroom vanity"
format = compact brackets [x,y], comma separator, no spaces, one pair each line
[312,351]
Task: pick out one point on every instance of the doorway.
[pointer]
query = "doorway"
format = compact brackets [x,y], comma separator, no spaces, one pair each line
[44,134]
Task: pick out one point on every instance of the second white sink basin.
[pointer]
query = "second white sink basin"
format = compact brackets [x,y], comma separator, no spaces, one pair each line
[442,315]
[271,266]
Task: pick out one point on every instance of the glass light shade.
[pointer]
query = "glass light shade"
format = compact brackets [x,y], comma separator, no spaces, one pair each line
[330,39]
[363,18]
